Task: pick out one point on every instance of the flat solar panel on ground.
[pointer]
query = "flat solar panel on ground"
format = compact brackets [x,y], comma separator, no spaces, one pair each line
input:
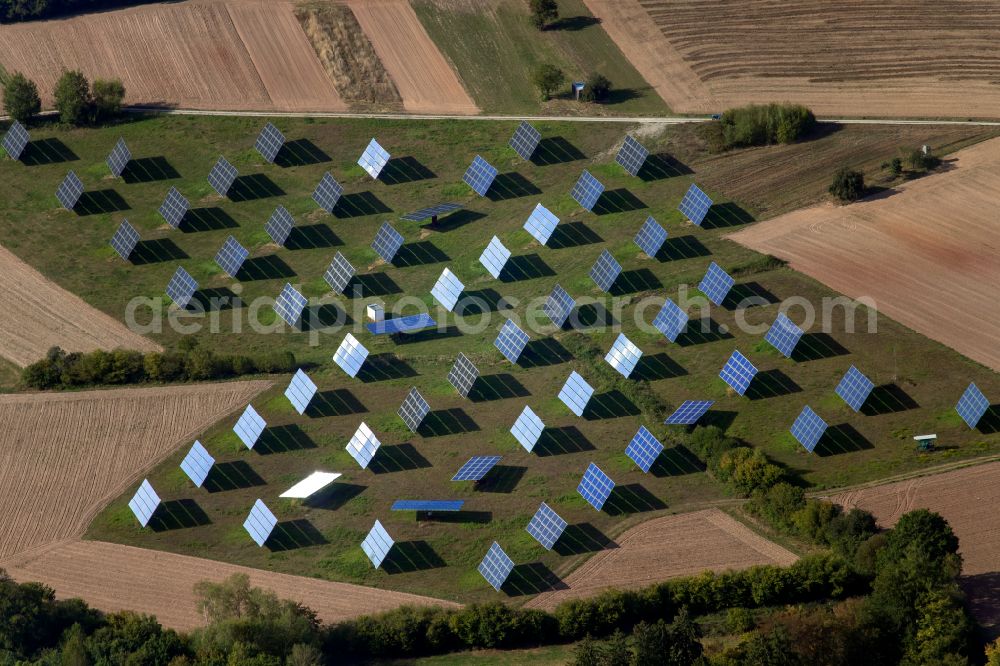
[738,372]
[783,335]
[808,428]
[300,391]
[222,176]
[69,191]
[431,211]
[670,320]
[632,155]
[541,223]
[269,143]
[327,193]
[644,449]
[587,190]
[576,393]
[350,355]
[527,429]
[525,140]
[605,271]
[476,468]
[448,290]
[197,464]
[495,257]
[651,237]
[854,388]
[414,410]
[119,158]
[463,375]
[311,485]
[363,445]
[174,208]
[595,486]
[290,304]
[125,240]
[249,427]
[15,141]
[377,544]
[387,242]
[972,405]
[623,355]
[181,288]
[144,503]
[400,324]
[373,159]
[480,175]
[260,523]
[496,566]
[546,526]
[511,341]
[427,505]
[558,306]
[716,283]
[279,226]
[339,273]
[231,256]
[695,205]
[690,412]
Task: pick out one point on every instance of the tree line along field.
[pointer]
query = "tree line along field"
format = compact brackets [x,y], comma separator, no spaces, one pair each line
[73,251]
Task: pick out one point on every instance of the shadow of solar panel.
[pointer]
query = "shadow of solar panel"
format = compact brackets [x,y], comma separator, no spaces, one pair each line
[118,159]
[605,271]
[413,410]
[476,468]
[339,274]
[558,306]
[400,324]
[632,155]
[972,405]
[644,449]
[197,464]
[480,175]
[576,393]
[249,427]
[290,304]
[527,429]
[463,375]
[690,412]
[125,240]
[363,445]
[269,143]
[695,205]
[651,237]
[525,140]
[144,503]
[670,320]
[174,208]
[587,191]
[427,505]
[378,543]
[738,372]
[496,566]
[181,288]
[350,355]
[854,388]
[387,242]
[431,211]
[784,335]
[716,284]
[546,526]
[541,224]
[511,341]
[447,290]
[808,428]
[279,226]
[300,391]
[595,486]
[373,159]
[327,193]
[231,256]
[15,140]
[69,191]
[222,176]
[495,257]
[260,523]
[623,355]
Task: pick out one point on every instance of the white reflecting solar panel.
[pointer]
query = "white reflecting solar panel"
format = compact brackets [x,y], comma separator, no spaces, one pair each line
[495,257]
[125,240]
[181,288]
[480,175]
[558,306]
[374,159]
[576,393]
[269,143]
[587,191]
[511,341]
[290,304]
[249,427]
[972,405]
[690,412]
[808,428]
[222,176]
[339,274]
[69,191]
[363,445]
[15,141]
[651,237]
[119,158]
[197,464]
[476,468]
[527,429]
[260,523]
[311,485]
[174,208]
[377,544]
[695,204]
[279,226]
[350,355]
[327,193]
[632,155]
[623,355]
[738,372]
[546,526]
[231,256]
[300,391]
[496,566]
[413,410]
[605,271]
[671,320]
[463,375]
[525,140]
[387,242]
[595,486]
[448,290]
[144,503]
[644,449]
[854,388]
[783,335]
[716,284]
[541,224]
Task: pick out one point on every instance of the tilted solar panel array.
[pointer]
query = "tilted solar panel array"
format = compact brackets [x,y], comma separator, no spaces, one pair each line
[377,544]
[587,191]
[350,355]
[15,141]
[690,412]
[269,143]
[525,140]
[495,257]
[480,175]
[972,405]
[808,428]
[231,256]
[174,208]
[576,393]
[528,428]
[69,191]
[197,464]
[546,526]
[623,355]
[644,449]
[339,274]
[558,306]
[300,391]
[125,240]
[695,205]
[181,288]
[651,237]
[279,226]
[670,320]
[260,523]
[605,271]
[632,155]
[290,305]
[431,211]
[595,486]
[144,503]
[738,372]
[541,224]
[387,242]
[854,388]
[463,375]
[249,427]
[374,159]
[448,290]
[119,158]
[784,335]
[476,468]
[414,410]
[511,341]
[327,193]
[363,445]
[716,284]
[222,176]
[496,566]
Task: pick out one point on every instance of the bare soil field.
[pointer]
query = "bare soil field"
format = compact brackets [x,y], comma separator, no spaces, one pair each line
[38,315]
[669,547]
[113,577]
[926,252]
[901,58]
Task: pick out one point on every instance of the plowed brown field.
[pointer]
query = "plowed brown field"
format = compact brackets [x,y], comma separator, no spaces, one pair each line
[669,547]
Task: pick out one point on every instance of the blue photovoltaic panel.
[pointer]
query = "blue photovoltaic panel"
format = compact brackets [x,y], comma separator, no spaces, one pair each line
[525,140]
[587,191]
[125,240]
[695,205]
[387,242]
[119,158]
[15,141]
[576,393]
[690,412]
[595,486]
[558,306]
[463,375]
[363,445]
[279,226]
[428,505]
[671,320]
[605,271]
[400,324]
[632,155]
[854,388]
[541,223]
[249,427]
[174,208]
[479,176]
[431,211]
[290,304]
[260,523]
[623,355]
[738,372]
[447,290]
[69,191]
[350,355]
[300,391]
[972,405]
[374,159]
[644,449]
[327,193]
[181,288]
[496,566]
[222,176]
[269,143]
[808,428]
[144,503]
[651,237]
[231,256]
[495,257]
[197,464]
[413,410]
[377,544]
[511,341]
[528,429]
[546,526]
[783,335]
[339,273]
[476,468]
[716,284]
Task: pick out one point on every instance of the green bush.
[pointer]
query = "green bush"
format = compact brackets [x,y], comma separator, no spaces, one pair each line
[848,185]
[597,88]
[72,97]
[747,470]
[108,96]
[709,443]
[777,504]
[26,10]
[761,125]
[20,98]
[543,12]
[740,620]
[548,79]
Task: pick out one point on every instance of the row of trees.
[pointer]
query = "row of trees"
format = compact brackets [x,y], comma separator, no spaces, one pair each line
[77,101]
[27,10]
